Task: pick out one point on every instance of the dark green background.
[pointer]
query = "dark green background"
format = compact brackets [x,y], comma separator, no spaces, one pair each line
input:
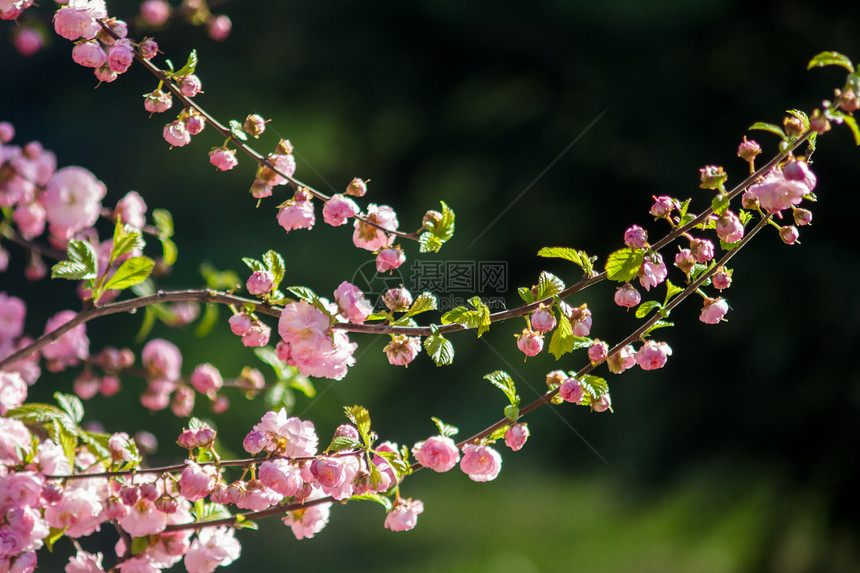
[740,455]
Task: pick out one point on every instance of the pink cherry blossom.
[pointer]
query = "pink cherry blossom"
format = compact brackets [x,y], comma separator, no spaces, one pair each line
[190,85]
[83,562]
[404,515]
[71,347]
[285,435]
[653,355]
[240,324]
[280,476]
[402,349]
[132,210]
[196,482]
[176,134]
[597,351]
[260,282]
[663,206]
[307,522]
[635,237]
[352,303]
[148,48]
[729,228]
[722,279]
[257,335]
[143,519]
[714,311]
[776,192]
[684,260]
[89,54]
[14,439]
[78,19]
[480,463]
[439,453]
[338,209]
[297,215]
[72,200]
[80,511]
[516,436]
[12,313]
[571,390]
[120,56]
[622,360]
[162,359]
[213,547]
[159,101]
[206,379]
[223,159]
[28,41]
[373,238]
[603,403]
[155,12]
[653,271]
[397,299]
[530,342]
[702,249]
[627,296]
[543,320]
[219,27]
[389,259]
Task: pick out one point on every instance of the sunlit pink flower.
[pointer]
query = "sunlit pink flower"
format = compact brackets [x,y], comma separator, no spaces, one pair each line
[373,238]
[338,209]
[480,463]
[83,562]
[402,349]
[714,311]
[70,347]
[162,359]
[653,355]
[305,523]
[12,313]
[516,436]
[72,200]
[404,515]
[214,547]
[439,453]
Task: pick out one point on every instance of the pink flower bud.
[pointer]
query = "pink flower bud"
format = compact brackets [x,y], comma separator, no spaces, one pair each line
[190,85]
[714,311]
[89,54]
[602,404]
[194,124]
[722,279]
[120,56]
[684,260]
[627,296]
[155,12]
[402,349]
[353,305]
[622,360]
[28,41]
[389,259]
[148,49]
[789,234]
[653,355]
[149,491]
[404,515]
[7,132]
[86,385]
[662,207]
[166,504]
[530,342]
[748,149]
[802,217]
[543,320]
[729,228]
[357,188]
[712,177]
[260,282]
[219,28]
[702,249]
[347,431]
[635,237]
[129,494]
[187,439]
[516,436]
[220,404]
[397,299]
[254,125]
[206,379]
[255,442]
[158,101]
[257,335]
[240,324]
[183,401]
[597,351]
[176,134]
[338,209]
[105,74]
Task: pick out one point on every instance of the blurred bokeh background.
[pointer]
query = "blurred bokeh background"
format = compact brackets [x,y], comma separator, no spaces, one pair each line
[551,122]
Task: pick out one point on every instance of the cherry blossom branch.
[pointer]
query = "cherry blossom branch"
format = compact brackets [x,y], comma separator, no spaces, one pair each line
[252,515]
[229,135]
[635,335]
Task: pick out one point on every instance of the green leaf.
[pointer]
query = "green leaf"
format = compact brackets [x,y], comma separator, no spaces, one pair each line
[242,522]
[84,262]
[594,387]
[309,296]
[425,301]
[54,535]
[720,203]
[445,430]
[646,307]
[169,251]
[275,263]
[189,67]
[209,511]
[71,405]
[96,441]
[278,396]
[35,413]
[343,443]
[526,294]
[360,418]
[207,321]
[656,325]
[163,222]
[623,265]
[429,243]
[548,286]
[831,59]
[852,125]
[562,339]
[302,383]
[237,131]
[439,349]
[218,280]
[478,318]
[131,272]
[380,499]
[146,325]
[502,380]
[769,127]
[579,258]
[125,240]
[253,264]
[671,291]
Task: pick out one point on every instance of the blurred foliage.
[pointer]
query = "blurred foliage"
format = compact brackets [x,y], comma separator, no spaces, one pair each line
[550,123]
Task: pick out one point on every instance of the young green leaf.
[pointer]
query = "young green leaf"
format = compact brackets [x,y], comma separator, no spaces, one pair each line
[646,307]
[775,129]
[169,251]
[81,265]
[189,67]
[579,258]
[71,405]
[831,59]
[526,294]
[445,430]
[343,443]
[439,349]
[562,339]
[360,418]
[548,286]
[131,272]
[275,263]
[623,265]
[502,380]
[125,240]
[163,222]
[237,131]
[253,264]
[208,320]
[424,302]
[380,499]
